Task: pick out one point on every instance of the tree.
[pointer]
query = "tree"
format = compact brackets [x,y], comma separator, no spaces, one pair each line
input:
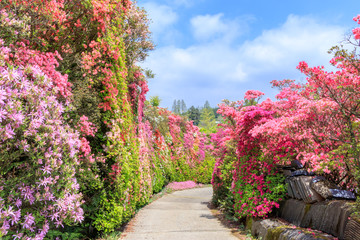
[174,107]
[178,106]
[183,107]
[154,101]
[194,115]
[207,104]
[207,120]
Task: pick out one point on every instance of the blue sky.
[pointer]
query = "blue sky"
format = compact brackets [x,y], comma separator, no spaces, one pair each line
[213,50]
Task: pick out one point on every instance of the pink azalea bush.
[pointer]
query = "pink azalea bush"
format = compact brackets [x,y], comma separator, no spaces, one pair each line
[38,154]
[316,123]
[253,187]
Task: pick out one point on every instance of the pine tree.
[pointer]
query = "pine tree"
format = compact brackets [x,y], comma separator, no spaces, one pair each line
[173,109]
[183,107]
[178,103]
[207,104]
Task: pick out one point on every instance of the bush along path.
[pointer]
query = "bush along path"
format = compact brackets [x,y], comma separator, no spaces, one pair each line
[315,123]
[179,215]
[80,150]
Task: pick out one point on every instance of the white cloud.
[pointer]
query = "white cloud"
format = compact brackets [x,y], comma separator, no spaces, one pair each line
[216,69]
[207,26]
[186,3]
[162,16]
[210,27]
[299,38]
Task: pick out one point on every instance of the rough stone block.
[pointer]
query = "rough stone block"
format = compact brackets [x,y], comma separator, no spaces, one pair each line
[346,211]
[271,229]
[352,230]
[293,211]
[322,186]
[294,188]
[307,193]
[314,215]
[289,189]
[328,216]
[331,218]
[329,190]
[287,172]
[261,228]
[302,234]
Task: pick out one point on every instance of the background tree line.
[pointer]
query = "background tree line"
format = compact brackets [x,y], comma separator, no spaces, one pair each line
[205,117]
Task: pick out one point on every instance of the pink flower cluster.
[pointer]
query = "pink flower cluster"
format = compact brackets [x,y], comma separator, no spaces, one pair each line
[253,94]
[182,185]
[356,31]
[42,149]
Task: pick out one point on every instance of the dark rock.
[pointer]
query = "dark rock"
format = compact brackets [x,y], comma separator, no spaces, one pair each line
[330,190]
[342,194]
[352,230]
[318,179]
[300,173]
[296,164]
[322,186]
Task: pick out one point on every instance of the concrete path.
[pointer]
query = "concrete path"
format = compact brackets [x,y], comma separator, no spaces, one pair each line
[179,215]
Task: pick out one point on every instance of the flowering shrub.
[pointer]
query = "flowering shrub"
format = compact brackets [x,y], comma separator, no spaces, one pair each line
[316,123]
[38,154]
[251,190]
[183,152]
[83,151]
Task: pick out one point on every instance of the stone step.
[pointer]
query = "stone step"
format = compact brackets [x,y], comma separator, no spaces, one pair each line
[277,229]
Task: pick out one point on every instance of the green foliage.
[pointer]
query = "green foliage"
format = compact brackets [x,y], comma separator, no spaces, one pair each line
[205,169]
[207,121]
[155,101]
[194,115]
[223,196]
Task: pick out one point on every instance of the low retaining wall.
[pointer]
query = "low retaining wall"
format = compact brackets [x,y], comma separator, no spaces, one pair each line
[327,216]
[314,209]
[321,220]
[273,229]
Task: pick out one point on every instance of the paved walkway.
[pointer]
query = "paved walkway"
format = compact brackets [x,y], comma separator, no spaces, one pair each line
[179,215]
